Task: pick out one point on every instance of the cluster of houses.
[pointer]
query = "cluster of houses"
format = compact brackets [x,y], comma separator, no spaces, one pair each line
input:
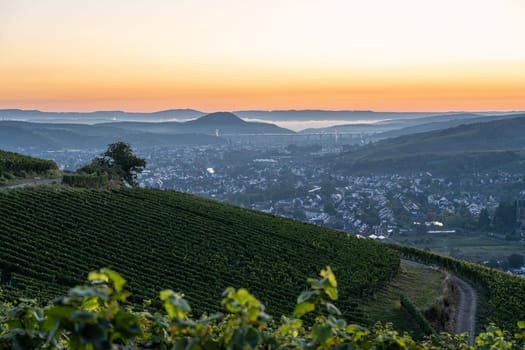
[297,186]
[255,183]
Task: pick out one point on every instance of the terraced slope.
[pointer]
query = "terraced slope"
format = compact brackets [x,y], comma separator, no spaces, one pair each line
[14,165]
[162,239]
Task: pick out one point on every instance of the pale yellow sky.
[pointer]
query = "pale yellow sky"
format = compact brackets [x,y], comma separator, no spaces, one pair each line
[275,54]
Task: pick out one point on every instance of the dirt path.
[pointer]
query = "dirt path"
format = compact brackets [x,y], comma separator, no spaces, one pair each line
[31,183]
[465,320]
[466,309]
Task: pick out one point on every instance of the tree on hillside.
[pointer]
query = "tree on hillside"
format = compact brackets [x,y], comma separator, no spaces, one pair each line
[119,162]
[121,155]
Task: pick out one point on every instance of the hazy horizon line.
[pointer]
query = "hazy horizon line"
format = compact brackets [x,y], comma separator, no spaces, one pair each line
[258,110]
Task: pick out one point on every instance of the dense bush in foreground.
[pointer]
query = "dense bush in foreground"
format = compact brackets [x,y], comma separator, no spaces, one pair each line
[95,317]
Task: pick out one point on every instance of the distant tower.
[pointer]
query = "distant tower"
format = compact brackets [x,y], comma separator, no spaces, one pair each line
[217,132]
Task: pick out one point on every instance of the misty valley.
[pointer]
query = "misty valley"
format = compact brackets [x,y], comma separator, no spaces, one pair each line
[460,201]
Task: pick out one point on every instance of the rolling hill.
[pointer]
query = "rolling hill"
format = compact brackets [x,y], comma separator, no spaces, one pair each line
[224,122]
[36,116]
[52,237]
[45,136]
[401,125]
[441,123]
[185,114]
[51,136]
[470,147]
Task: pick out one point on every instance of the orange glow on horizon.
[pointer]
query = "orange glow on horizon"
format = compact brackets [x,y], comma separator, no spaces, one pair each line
[404,89]
[283,54]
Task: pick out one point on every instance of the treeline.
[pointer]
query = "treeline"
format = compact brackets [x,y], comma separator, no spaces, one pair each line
[503,221]
[503,294]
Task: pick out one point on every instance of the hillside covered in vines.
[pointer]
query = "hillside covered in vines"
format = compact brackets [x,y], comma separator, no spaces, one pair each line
[164,239]
[15,165]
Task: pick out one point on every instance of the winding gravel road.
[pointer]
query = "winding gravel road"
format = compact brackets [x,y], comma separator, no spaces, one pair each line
[466,309]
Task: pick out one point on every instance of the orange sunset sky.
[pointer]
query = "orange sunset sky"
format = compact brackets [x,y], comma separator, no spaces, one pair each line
[383,55]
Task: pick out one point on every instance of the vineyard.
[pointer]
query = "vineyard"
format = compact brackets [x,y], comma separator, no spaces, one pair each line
[13,165]
[164,239]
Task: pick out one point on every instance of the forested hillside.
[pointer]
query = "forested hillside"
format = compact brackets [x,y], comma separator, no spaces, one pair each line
[465,148]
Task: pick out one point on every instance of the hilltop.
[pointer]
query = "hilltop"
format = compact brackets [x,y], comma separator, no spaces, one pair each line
[201,131]
[224,122]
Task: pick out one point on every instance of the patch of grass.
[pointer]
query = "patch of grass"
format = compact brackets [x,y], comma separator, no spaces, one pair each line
[475,248]
[422,285]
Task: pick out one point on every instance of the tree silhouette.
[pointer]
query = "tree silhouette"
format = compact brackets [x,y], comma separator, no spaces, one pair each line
[119,162]
[120,155]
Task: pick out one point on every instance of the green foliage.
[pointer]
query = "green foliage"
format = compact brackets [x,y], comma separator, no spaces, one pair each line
[118,162]
[90,180]
[96,317]
[120,155]
[420,319]
[50,236]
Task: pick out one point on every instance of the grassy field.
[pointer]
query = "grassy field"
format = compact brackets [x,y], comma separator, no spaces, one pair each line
[422,285]
[472,247]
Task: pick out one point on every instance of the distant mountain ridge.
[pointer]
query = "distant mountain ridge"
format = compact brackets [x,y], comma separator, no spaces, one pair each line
[396,127]
[469,147]
[187,113]
[209,124]
[435,123]
[312,114]
[224,118]
[204,130]
[97,116]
